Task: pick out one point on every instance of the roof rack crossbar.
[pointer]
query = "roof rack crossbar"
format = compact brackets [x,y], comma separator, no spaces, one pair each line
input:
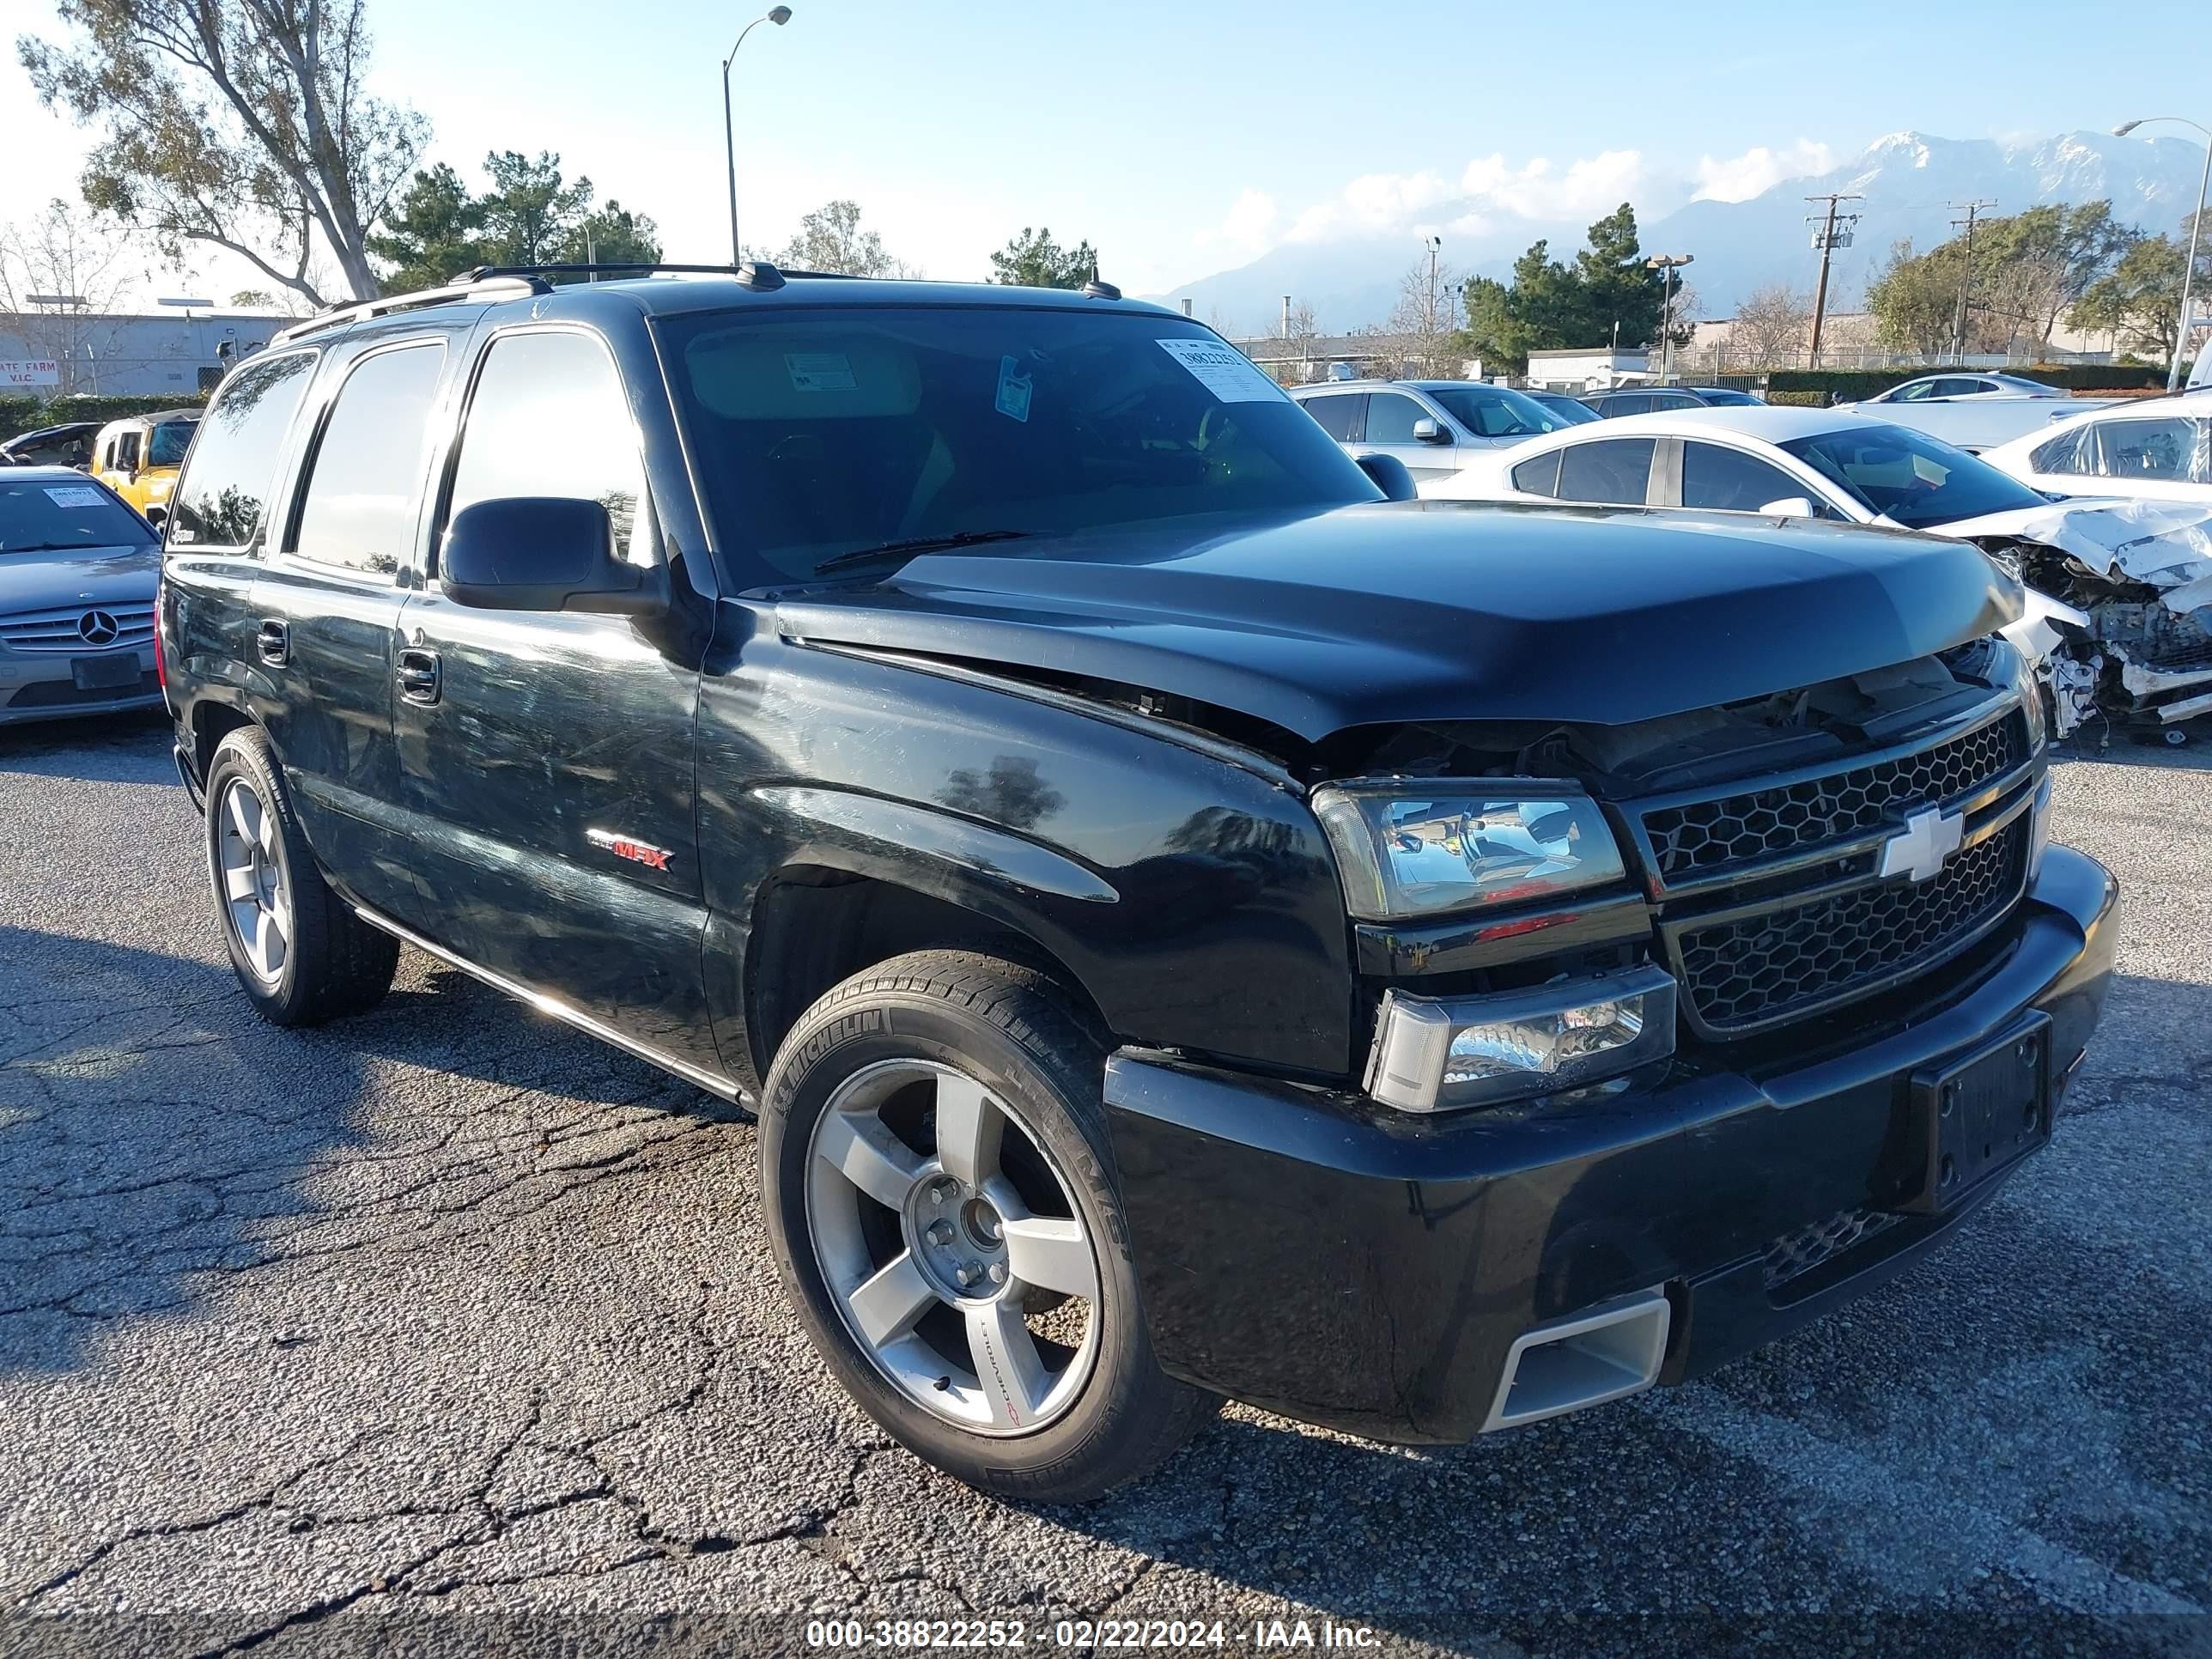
[497,286]
[580,268]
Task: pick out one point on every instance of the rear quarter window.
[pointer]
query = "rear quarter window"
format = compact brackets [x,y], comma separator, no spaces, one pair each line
[223,499]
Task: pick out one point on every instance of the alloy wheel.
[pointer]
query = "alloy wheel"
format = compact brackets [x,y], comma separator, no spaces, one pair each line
[953,1247]
[257,899]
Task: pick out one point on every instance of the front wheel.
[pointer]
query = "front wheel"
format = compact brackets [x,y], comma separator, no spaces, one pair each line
[940,1196]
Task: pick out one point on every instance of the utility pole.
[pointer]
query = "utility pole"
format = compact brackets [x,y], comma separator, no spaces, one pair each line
[1667,264]
[1828,238]
[1972,209]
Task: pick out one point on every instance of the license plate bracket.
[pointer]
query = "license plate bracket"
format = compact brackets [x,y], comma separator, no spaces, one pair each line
[1979,1112]
[105,673]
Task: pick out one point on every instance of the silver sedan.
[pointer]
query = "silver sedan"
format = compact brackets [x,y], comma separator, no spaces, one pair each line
[77,573]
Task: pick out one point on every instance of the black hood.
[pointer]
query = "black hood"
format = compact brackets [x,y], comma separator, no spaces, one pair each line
[1438,610]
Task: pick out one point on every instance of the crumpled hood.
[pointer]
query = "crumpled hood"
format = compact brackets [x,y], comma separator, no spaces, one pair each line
[78,575]
[1437,611]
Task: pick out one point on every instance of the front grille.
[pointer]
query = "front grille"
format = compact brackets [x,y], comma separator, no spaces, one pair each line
[63,629]
[1746,973]
[1702,836]
[1795,1254]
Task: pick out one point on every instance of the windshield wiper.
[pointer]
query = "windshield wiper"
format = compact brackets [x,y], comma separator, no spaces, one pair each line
[916,545]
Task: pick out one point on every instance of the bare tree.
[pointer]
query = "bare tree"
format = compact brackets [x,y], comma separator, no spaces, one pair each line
[1772,325]
[1424,322]
[242,123]
[830,239]
[62,276]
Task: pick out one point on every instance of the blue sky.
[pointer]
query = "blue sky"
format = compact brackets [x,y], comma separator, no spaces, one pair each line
[1184,139]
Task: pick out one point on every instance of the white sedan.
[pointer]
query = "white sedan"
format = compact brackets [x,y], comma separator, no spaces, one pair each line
[1852,469]
[1778,462]
[1974,411]
[2157,450]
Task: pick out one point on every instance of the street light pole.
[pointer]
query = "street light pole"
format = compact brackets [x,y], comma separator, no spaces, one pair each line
[2196,230]
[779,15]
[1667,264]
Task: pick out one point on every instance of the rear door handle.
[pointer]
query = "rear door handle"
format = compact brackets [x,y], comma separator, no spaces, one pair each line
[274,642]
[418,674]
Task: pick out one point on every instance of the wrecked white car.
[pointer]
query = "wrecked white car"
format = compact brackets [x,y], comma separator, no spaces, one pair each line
[2132,640]
[2116,599]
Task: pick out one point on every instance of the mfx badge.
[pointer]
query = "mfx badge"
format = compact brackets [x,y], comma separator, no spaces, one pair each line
[637,851]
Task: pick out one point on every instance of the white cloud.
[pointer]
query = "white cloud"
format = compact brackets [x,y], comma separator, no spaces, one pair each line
[1489,194]
[1595,183]
[1249,225]
[1739,178]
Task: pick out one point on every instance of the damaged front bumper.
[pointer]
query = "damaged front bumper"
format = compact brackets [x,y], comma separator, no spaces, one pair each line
[2120,606]
[1348,1265]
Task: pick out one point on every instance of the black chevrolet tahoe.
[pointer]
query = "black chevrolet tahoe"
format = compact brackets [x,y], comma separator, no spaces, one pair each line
[1192,921]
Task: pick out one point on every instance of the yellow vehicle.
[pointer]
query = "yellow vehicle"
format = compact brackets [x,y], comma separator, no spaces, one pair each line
[138,458]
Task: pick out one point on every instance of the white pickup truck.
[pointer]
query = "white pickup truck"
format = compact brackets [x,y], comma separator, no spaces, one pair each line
[1975,411]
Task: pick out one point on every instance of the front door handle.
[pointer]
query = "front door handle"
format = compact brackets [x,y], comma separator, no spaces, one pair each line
[418,674]
[274,642]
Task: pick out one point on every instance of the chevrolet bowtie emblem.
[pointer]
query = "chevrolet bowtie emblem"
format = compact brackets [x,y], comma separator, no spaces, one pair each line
[1919,849]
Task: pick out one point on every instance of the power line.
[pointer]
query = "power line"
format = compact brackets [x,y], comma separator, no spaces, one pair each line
[1828,238]
[1973,210]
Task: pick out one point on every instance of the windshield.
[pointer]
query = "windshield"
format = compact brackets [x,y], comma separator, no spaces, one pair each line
[1493,412]
[1566,410]
[171,440]
[1916,480]
[38,513]
[822,433]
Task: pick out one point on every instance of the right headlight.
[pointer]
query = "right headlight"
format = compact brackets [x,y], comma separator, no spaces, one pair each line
[1407,850]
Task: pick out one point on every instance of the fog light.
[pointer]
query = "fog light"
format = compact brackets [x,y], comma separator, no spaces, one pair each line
[1435,1055]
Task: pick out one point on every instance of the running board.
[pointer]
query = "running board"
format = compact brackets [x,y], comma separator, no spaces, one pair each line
[698,1076]
[1602,1353]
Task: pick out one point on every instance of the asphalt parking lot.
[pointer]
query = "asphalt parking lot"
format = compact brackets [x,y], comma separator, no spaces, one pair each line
[450,1311]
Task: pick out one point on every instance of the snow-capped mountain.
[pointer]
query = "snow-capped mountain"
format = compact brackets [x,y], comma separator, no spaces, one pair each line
[1906,180]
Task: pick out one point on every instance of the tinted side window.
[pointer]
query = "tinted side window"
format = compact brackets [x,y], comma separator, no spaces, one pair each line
[2064,453]
[1914,392]
[1339,416]
[2146,449]
[1616,471]
[1729,481]
[126,448]
[1539,477]
[1675,400]
[1636,403]
[364,486]
[1958,388]
[549,418]
[223,497]
[1390,418]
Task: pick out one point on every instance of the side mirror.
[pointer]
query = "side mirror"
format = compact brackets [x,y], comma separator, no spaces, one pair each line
[1790,507]
[541,553]
[1427,431]
[1389,475]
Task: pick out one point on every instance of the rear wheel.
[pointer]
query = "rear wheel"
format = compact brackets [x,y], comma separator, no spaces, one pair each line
[941,1199]
[299,950]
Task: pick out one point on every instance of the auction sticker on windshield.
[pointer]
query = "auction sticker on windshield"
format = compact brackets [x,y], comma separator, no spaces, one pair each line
[1224,370]
[74,495]
[820,371]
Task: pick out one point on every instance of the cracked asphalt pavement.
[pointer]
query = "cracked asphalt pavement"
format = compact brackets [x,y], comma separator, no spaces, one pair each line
[448,1314]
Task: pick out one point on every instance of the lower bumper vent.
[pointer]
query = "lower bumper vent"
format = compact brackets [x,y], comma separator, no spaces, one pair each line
[1795,1254]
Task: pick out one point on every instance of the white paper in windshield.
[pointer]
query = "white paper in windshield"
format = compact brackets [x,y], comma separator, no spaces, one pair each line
[1224,370]
[820,371]
[75,496]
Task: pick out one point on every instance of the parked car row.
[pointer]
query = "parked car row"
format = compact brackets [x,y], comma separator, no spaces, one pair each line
[137,457]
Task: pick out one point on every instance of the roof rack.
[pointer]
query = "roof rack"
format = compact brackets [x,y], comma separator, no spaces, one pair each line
[754,273]
[485,287]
